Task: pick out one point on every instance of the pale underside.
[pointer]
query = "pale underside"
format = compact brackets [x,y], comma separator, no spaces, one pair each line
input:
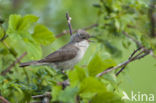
[67,56]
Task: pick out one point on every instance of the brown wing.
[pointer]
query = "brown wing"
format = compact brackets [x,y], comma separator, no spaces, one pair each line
[65,53]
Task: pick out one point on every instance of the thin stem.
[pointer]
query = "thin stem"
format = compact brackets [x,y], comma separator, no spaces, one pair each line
[4,100]
[67,31]
[13,64]
[135,51]
[69,23]
[121,64]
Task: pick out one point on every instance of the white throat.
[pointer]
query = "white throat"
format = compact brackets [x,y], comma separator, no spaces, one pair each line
[83,45]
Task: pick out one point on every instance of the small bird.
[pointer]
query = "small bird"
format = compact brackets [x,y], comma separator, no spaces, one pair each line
[67,56]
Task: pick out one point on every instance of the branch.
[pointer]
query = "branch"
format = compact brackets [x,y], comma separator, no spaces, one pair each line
[47,94]
[139,45]
[133,39]
[152,18]
[4,37]
[45,97]
[140,55]
[3,100]
[67,31]
[69,23]
[13,64]
[135,51]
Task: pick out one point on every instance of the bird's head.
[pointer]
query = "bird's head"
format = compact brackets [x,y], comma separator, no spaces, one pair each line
[81,35]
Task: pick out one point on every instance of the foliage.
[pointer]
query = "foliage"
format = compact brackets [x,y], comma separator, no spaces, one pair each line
[29,34]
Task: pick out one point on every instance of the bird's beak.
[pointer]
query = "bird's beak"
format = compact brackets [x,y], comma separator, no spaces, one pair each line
[91,38]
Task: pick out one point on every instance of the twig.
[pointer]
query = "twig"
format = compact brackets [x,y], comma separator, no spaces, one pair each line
[139,45]
[3,100]
[133,39]
[45,97]
[4,37]
[41,96]
[135,51]
[77,99]
[138,56]
[69,23]
[67,31]
[13,64]
[90,27]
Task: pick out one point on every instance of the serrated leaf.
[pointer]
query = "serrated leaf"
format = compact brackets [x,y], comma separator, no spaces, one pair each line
[97,65]
[68,95]
[42,35]
[31,47]
[76,76]
[26,22]
[19,24]
[34,50]
[14,22]
[91,86]
[95,90]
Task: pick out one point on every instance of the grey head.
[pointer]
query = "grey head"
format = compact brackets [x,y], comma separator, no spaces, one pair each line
[80,36]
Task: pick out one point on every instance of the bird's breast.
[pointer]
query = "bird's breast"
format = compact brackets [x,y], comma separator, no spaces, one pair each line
[82,47]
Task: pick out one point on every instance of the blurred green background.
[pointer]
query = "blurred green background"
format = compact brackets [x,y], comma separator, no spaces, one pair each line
[139,76]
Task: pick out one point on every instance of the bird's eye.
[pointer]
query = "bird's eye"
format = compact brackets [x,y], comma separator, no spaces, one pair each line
[83,37]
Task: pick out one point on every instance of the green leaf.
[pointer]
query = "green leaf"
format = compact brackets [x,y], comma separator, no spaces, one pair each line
[106,97]
[96,91]
[144,40]
[2,33]
[14,22]
[68,95]
[19,24]
[126,44]
[42,35]
[76,76]
[34,50]
[91,86]
[97,65]
[26,22]
[3,51]
[24,45]
[117,24]
[55,92]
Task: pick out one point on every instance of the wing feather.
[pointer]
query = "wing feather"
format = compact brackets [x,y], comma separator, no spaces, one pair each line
[63,54]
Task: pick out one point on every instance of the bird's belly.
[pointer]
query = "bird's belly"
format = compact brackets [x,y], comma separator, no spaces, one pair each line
[70,63]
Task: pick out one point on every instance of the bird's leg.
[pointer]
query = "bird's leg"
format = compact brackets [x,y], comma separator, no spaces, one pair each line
[64,84]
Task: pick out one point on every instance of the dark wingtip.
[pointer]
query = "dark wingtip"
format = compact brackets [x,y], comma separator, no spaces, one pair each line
[28,63]
[23,65]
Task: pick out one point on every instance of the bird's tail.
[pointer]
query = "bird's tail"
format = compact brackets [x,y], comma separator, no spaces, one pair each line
[29,63]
